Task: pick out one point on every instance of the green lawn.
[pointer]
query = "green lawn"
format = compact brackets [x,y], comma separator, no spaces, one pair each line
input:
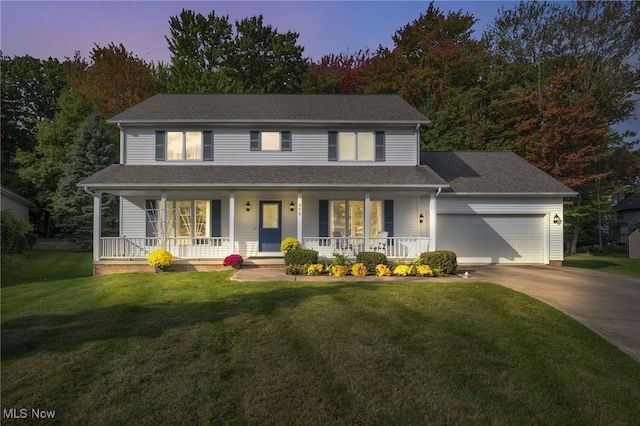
[614,263]
[198,348]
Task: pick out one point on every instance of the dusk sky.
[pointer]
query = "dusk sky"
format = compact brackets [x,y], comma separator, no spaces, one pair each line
[44,29]
[57,29]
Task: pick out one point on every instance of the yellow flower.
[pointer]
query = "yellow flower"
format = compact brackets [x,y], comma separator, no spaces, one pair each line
[160,258]
[359,270]
[402,270]
[424,271]
[315,269]
[338,271]
[383,270]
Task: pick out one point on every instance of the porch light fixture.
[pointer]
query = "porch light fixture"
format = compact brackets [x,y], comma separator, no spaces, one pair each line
[421,218]
[556,219]
[292,206]
[247,206]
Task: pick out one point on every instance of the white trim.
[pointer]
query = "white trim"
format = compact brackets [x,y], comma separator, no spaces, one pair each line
[433,221]
[97,220]
[232,221]
[299,217]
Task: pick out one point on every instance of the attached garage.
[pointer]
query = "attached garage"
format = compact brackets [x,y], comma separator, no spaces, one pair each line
[516,238]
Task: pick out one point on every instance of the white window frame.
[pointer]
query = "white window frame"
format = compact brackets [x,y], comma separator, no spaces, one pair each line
[184,149]
[357,149]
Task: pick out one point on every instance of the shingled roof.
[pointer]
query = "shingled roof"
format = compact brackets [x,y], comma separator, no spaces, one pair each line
[491,172]
[632,202]
[276,108]
[138,177]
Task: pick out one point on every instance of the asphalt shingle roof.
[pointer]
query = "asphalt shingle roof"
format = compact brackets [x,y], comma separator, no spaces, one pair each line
[632,202]
[491,172]
[246,108]
[118,176]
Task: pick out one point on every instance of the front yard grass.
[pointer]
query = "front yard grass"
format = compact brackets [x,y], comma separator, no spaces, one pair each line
[197,348]
[615,263]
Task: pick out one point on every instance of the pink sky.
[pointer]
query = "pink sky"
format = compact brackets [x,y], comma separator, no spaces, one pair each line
[45,29]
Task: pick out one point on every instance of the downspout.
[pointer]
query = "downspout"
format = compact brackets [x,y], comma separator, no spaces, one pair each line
[121,143]
[418,144]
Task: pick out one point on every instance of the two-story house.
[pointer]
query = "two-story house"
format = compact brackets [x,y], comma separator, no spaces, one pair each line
[208,175]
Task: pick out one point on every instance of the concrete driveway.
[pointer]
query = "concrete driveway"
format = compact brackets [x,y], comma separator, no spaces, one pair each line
[606,303]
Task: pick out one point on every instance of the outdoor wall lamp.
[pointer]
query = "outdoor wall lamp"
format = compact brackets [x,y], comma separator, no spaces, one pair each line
[247,206]
[292,206]
[556,219]
[421,218]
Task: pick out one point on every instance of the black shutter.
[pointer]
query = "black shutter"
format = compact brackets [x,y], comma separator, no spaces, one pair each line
[388,216]
[255,140]
[207,145]
[216,218]
[323,214]
[286,140]
[160,142]
[152,218]
[380,146]
[333,145]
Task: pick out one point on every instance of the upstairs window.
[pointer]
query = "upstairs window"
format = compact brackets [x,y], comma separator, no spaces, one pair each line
[356,146]
[184,146]
[270,141]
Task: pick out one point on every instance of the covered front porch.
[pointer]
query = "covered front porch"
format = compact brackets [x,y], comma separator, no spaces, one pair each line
[400,224]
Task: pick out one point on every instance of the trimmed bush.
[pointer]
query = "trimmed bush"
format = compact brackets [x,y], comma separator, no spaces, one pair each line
[441,260]
[301,257]
[371,259]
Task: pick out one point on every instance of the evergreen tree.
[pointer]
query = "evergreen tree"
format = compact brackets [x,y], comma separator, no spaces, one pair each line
[92,149]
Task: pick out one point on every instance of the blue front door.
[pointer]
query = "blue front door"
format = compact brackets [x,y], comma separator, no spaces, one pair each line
[270,226]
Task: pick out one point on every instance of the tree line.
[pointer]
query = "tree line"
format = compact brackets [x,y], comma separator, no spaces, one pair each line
[549,81]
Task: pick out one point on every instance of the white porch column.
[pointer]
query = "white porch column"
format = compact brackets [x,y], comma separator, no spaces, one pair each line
[367,219]
[299,218]
[97,224]
[433,221]
[232,221]
[163,221]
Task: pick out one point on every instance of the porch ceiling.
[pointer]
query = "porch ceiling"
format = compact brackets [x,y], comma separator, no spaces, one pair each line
[242,177]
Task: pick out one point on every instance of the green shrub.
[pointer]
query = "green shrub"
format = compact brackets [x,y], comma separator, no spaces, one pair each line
[17,234]
[371,259]
[301,257]
[441,260]
[296,269]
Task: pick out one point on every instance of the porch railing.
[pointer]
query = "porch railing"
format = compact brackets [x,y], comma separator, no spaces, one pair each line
[184,248]
[220,247]
[393,247]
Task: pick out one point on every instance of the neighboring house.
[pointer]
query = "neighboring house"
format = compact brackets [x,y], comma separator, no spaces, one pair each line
[628,211]
[15,203]
[210,175]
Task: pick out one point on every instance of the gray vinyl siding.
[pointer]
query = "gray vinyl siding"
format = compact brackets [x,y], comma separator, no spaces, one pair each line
[133,223]
[309,147]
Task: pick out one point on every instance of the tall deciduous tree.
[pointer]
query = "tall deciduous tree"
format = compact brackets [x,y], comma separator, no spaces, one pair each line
[265,61]
[30,88]
[338,73]
[116,80]
[436,66]
[91,150]
[200,47]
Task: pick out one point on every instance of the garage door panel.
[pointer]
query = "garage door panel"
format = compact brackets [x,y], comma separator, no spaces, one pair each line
[493,238]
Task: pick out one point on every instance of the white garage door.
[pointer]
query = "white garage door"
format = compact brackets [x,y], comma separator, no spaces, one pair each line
[492,238]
